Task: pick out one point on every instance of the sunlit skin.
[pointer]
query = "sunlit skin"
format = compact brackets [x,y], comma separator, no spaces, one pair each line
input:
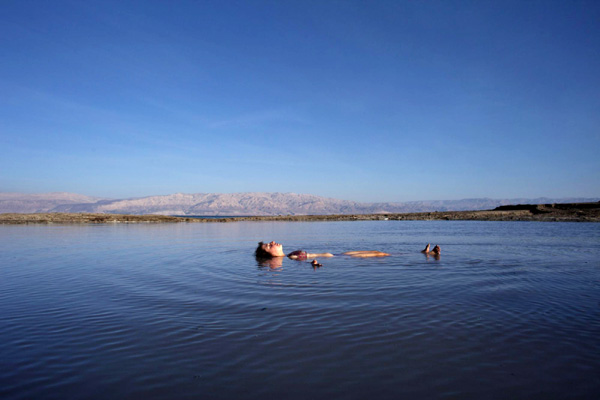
[366,253]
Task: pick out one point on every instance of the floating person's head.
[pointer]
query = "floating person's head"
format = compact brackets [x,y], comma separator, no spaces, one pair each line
[269,250]
[437,250]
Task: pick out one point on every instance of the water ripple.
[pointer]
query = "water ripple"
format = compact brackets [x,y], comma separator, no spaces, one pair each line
[185,311]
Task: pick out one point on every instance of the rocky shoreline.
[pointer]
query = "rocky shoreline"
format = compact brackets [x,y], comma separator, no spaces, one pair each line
[566,212]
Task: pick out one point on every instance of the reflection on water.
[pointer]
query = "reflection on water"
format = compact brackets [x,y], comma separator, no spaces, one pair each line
[509,310]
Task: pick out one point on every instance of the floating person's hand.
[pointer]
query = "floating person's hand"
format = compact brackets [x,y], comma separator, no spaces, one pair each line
[316,264]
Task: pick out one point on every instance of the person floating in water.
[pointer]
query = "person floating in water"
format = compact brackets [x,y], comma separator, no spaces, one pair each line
[274,249]
[435,252]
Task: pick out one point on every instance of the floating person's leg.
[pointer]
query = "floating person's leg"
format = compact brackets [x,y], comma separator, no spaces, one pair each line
[366,253]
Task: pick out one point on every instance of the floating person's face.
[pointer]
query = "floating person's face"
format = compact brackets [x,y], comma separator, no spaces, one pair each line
[274,249]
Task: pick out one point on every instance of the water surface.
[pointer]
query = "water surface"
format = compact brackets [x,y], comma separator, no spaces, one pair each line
[178,311]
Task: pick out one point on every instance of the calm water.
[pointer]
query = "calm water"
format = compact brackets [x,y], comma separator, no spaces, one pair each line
[178,311]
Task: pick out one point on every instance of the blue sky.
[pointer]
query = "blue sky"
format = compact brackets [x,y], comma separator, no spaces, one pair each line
[358,100]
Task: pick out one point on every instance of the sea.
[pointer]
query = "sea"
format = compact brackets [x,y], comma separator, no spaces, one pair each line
[510,310]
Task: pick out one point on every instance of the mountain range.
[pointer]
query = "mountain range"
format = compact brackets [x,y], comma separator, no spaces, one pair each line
[236,204]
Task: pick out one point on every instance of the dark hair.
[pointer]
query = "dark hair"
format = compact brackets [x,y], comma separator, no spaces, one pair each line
[262,253]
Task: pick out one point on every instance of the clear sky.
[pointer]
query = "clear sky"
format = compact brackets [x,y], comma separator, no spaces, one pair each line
[357,100]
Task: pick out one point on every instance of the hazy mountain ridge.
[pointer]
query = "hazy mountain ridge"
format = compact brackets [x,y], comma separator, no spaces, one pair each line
[41,202]
[218,204]
[232,204]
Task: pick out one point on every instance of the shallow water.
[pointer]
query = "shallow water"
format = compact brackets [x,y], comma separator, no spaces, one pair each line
[510,310]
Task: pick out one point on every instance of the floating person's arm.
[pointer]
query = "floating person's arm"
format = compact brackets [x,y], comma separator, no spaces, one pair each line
[314,255]
[303,255]
[426,249]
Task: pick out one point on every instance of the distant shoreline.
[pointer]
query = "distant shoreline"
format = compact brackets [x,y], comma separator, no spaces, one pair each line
[567,212]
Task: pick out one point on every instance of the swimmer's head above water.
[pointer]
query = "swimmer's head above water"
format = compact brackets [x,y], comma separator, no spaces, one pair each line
[269,250]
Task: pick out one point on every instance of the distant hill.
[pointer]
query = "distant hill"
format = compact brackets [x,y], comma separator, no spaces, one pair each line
[235,204]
